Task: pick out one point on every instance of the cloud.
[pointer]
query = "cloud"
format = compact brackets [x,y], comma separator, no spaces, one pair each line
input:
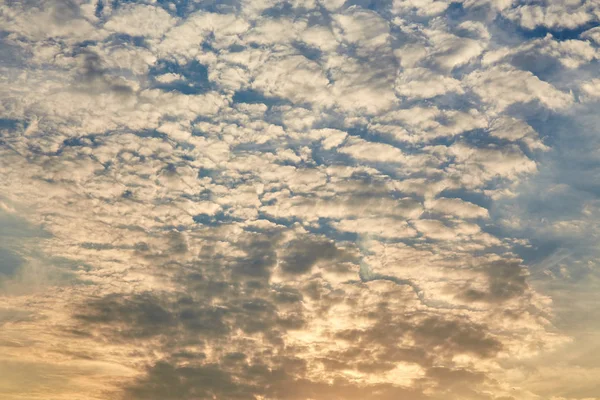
[9,262]
[460,208]
[140,20]
[420,124]
[505,280]
[293,78]
[42,20]
[421,83]
[553,14]
[501,87]
[428,8]
[254,200]
[301,256]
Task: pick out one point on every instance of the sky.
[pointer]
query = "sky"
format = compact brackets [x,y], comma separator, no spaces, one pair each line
[299,200]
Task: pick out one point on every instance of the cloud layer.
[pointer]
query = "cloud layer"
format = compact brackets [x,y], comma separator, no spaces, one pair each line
[295,200]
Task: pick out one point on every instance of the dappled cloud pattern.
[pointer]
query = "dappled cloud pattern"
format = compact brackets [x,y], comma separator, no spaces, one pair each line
[303,200]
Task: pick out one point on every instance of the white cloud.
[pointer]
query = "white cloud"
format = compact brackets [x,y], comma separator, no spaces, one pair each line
[339,207]
[590,89]
[49,19]
[457,207]
[140,20]
[372,152]
[451,51]
[363,28]
[186,38]
[554,14]
[427,8]
[592,34]
[570,53]
[421,124]
[294,78]
[421,83]
[514,129]
[482,164]
[272,31]
[358,88]
[437,230]
[377,227]
[501,87]
[320,37]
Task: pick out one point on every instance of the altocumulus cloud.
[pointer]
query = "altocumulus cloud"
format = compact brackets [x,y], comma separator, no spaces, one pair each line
[298,200]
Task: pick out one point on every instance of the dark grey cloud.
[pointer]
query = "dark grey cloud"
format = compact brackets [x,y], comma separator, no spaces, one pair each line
[218,297]
[167,382]
[15,316]
[135,316]
[13,226]
[457,336]
[449,337]
[96,76]
[247,381]
[9,262]
[261,260]
[217,300]
[146,315]
[302,254]
[506,280]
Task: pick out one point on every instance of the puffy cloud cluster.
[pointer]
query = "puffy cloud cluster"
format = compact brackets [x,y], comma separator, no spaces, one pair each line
[276,200]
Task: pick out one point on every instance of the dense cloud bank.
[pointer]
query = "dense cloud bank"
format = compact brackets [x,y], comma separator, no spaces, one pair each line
[293,200]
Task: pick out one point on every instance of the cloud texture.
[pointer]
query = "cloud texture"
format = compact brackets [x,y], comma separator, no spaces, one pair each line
[297,200]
